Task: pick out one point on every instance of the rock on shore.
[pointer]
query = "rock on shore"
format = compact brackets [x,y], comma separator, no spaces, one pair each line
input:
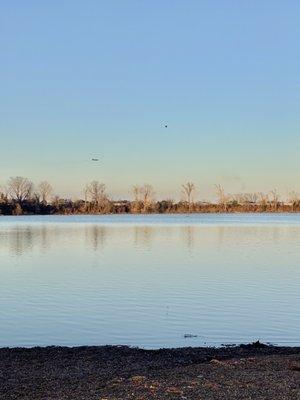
[253,371]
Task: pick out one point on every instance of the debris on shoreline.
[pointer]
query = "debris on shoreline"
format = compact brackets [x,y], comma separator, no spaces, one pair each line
[252,371]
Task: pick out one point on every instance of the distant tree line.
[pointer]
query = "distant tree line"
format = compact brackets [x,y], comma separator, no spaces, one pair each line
[20,196]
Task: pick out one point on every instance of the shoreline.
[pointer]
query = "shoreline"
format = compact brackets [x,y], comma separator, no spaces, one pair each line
[212,212]
[119,372]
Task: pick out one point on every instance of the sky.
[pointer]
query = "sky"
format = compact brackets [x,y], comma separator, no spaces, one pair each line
[100,79]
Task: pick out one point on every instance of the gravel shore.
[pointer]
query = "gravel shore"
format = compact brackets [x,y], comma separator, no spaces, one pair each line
[252,371]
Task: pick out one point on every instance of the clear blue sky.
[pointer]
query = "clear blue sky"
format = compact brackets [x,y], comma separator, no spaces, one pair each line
[80,79]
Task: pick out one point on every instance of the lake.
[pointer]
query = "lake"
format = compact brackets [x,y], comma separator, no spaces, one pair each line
[150,280]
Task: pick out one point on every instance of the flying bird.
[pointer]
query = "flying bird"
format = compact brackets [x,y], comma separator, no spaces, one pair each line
[166,126]
[95,159]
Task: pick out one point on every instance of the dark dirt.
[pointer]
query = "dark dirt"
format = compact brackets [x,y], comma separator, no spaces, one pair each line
[253,371]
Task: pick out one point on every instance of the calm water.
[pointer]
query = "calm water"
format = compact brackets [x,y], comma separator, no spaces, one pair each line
[149,280]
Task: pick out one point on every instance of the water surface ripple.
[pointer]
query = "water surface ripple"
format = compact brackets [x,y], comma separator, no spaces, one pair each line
[149,281]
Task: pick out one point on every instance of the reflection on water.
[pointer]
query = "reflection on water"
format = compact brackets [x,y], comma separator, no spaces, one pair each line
[95,236]
[20,240]
[143,236]
[96,281]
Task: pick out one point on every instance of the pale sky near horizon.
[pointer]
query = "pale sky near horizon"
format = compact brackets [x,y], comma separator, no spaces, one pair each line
[101,79]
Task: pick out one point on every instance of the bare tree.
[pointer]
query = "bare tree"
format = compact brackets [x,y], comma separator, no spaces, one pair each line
[245,198]
[97,193]
[136,190]
[143,197]
[56,201]
[263,200]
[294,199]
[222,197]
[274,198]
[137,204]
[85,192]
[45,190]
[19,188]
[188,190]
[3,196]
[147,193]
[250,198]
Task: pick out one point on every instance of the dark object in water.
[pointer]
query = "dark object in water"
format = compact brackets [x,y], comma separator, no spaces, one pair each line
[255,345]
[189,335]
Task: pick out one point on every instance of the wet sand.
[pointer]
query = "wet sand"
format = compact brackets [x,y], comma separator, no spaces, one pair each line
[253,371]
